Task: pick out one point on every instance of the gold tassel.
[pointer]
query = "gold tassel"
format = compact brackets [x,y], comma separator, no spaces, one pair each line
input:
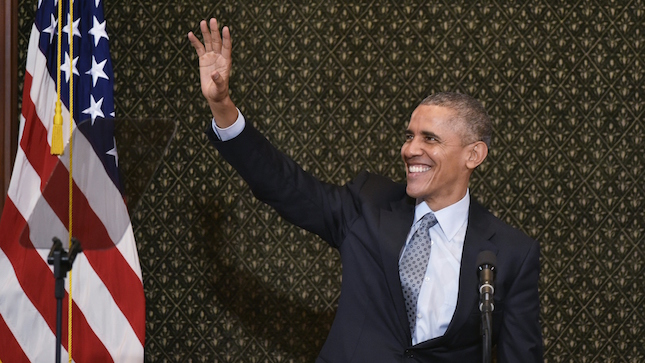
[57,132]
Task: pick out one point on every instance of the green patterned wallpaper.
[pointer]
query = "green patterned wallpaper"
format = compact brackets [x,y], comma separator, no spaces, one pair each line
[333,84]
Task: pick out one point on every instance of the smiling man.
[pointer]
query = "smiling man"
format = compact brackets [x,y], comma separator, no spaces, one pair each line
[446,139]
[409,286]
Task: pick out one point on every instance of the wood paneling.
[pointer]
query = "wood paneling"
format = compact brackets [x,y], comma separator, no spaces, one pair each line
[8,92]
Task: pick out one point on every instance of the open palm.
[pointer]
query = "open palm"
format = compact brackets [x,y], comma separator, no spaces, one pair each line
[214,60]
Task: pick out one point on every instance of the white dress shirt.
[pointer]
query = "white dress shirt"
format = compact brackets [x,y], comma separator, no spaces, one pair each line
[230,132]
[438,295]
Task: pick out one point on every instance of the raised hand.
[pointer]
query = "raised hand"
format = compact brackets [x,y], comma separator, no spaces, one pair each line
[215,69]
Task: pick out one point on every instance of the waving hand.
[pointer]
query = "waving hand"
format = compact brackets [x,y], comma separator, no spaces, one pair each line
[215,69]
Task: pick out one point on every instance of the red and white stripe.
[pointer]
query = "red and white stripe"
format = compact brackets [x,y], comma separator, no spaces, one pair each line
[108,301]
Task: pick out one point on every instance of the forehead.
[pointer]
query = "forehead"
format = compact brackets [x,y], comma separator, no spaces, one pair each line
[431,118]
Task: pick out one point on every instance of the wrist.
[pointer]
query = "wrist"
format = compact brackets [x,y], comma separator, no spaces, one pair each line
[224,112]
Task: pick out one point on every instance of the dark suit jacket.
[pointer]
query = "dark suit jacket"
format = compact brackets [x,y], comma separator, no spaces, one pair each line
[368,220]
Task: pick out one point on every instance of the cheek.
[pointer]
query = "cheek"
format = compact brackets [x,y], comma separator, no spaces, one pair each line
[435,153]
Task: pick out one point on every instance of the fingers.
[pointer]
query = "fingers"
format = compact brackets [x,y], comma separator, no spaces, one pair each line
[199,47]
[203,26]
[216,40]
[213,42]
[226,43]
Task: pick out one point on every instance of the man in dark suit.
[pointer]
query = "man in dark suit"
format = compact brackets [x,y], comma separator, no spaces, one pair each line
[374,223]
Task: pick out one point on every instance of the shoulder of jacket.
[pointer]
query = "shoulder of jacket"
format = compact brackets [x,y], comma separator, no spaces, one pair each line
[377,189]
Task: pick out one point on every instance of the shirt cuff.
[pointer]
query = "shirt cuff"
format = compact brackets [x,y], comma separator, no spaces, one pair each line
[232,131]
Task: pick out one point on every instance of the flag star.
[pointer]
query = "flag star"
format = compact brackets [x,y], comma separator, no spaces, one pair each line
[97,71]
[74,27]
[51,29]
[66,67]
[98,31]
[95,109]
[114,153]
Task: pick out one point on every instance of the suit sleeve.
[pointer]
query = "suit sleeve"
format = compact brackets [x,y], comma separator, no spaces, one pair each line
[275,179]
[520,337]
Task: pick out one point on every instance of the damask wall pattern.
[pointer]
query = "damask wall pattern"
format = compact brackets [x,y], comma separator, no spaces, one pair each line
[332,84]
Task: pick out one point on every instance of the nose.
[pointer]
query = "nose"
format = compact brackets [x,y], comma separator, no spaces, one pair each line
[410,148]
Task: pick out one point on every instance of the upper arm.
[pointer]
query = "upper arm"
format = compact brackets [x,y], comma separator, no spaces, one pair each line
[302,199]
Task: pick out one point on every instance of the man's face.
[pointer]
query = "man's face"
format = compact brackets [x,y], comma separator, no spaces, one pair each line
[435,157]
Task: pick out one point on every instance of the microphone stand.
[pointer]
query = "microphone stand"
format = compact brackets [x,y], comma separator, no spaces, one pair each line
[62,262]
[487,332]
[486,261]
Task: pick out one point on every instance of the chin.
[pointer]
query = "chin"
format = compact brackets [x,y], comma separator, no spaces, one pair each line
[413,193]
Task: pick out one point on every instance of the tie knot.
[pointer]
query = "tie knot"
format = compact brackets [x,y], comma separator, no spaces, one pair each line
[428,220]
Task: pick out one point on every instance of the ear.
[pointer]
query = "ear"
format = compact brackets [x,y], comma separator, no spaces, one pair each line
[477,152]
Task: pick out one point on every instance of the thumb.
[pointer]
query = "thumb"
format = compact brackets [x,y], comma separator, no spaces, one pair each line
[217,78]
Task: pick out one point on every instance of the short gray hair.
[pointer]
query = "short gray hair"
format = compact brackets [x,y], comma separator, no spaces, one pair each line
[469,110]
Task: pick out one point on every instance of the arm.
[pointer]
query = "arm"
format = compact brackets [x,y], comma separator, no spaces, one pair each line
[299,197]
[274,178]
[520,338]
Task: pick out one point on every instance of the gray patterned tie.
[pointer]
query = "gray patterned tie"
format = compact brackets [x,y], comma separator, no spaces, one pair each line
[413,264]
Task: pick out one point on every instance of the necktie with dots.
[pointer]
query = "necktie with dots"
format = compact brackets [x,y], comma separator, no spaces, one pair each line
[413,264]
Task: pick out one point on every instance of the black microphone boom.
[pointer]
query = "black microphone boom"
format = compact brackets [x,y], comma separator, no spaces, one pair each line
[486,262]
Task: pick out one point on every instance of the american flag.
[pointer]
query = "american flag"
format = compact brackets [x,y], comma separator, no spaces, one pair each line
[108,304]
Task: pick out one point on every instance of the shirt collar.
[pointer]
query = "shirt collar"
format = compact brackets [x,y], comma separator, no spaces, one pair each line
[450,218]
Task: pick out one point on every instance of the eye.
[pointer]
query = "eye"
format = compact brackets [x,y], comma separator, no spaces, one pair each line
[430,139]
[409,137]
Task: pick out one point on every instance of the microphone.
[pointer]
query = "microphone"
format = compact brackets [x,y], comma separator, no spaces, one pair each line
[486,261]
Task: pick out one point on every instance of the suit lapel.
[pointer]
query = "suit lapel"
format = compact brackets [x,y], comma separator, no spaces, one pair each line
[477,239]
[393,230]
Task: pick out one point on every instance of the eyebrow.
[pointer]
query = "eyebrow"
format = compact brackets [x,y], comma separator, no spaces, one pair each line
[424,133]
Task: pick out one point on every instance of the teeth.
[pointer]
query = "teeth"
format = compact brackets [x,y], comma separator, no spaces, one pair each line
[418,168]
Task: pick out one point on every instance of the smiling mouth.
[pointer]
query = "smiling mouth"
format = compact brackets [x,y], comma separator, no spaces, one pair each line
[418,168]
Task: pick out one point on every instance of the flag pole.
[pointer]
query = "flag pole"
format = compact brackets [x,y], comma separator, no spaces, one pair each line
[71,174]
[58,257]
